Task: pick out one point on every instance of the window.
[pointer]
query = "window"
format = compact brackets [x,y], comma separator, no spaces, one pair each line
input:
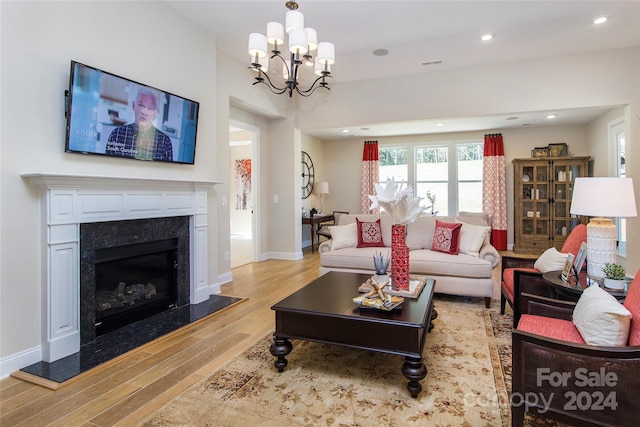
[432,175]
[450,171]
[393,164]
[470,177]
[617,141]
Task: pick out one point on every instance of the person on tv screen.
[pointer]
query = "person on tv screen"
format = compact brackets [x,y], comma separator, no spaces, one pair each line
[141,139]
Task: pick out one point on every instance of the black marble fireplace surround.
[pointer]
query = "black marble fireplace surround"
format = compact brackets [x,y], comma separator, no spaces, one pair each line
[100,238]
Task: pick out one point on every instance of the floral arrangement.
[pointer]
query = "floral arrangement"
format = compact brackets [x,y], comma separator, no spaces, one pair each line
[397,202]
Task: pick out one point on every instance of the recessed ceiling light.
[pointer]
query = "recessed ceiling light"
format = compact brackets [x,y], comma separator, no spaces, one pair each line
[551,116]
[439,124]
[345,131]
[381,52]
[600,20]
[487,37]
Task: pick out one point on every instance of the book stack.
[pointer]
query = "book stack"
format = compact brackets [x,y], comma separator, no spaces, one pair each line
[389,303]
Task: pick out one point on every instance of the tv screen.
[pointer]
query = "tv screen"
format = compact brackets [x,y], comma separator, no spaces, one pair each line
[114,116]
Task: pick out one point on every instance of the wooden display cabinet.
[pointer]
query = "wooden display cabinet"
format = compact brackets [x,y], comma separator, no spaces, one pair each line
[542,200]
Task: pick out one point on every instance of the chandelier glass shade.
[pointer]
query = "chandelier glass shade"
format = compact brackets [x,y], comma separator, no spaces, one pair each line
[302,44]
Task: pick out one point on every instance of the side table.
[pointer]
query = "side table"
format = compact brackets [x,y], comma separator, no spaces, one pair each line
[314,221]
[572,289]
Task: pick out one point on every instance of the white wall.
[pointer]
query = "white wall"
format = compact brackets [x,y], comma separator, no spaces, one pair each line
[39,39]
[598,138]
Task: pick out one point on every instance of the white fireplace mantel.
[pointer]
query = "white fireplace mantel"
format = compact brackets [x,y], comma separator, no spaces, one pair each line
[70,200]
[50,181]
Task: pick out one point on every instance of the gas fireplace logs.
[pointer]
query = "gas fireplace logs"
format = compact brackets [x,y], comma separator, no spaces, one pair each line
[124,295]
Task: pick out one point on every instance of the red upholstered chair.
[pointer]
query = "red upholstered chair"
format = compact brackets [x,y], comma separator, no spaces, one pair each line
[556,375]
[521,270]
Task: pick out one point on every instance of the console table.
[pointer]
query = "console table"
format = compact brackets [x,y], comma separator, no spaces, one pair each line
[314,221]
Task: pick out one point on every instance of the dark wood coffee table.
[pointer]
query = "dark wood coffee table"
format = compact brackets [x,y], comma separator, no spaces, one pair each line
[323,311]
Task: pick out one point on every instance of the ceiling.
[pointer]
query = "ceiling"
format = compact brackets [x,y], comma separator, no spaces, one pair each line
[446,32]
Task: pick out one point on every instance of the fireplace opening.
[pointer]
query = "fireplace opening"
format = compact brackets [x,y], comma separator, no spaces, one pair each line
[133,282]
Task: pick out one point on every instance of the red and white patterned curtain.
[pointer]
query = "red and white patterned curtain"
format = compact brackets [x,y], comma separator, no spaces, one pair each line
[494,184]
[370,175]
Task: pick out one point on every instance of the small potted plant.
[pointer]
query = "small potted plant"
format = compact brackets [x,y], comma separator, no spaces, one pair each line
[614,276]
[381,264]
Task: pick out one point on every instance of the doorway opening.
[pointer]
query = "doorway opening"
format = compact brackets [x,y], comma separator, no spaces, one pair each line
[242,191]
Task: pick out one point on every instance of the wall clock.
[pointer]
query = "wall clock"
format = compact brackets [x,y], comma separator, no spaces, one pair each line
[308,175]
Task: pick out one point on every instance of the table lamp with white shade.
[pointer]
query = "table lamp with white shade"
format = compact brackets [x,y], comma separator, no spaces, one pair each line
[322,188]
[603,198]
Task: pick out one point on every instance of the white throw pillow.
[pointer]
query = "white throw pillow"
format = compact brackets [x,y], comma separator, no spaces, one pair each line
[472,238]
[601,319]
[344,236]
[550,260]
[474,218]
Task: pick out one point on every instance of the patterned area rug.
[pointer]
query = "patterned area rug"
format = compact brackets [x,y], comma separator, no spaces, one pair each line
[468,357]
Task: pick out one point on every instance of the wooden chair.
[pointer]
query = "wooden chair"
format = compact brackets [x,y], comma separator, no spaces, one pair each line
[323,229]
[556,375]
[530,280]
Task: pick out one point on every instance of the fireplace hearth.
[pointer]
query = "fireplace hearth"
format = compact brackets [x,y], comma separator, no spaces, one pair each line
[114,344]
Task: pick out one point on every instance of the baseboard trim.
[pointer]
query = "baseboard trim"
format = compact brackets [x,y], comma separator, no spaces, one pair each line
[18,361]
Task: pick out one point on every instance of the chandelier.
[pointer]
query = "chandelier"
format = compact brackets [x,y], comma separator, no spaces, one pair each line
[301,42]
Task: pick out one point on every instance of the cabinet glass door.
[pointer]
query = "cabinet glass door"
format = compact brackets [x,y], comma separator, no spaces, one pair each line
[535,200]
[564,175]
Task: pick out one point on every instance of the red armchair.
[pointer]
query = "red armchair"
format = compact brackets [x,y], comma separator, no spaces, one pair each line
[521,271]
[556,375]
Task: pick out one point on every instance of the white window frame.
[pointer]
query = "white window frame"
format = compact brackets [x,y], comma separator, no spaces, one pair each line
[452,151]
[616,128]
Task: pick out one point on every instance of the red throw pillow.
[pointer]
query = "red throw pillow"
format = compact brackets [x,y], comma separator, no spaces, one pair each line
[446,237]
[369,234]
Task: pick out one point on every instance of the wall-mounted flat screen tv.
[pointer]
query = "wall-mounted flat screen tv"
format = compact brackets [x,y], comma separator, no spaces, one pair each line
[114,116]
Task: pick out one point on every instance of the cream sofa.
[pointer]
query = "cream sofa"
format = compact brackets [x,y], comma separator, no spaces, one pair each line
[467,273]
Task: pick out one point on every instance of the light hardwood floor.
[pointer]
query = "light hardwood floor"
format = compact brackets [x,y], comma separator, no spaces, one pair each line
[130,390]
